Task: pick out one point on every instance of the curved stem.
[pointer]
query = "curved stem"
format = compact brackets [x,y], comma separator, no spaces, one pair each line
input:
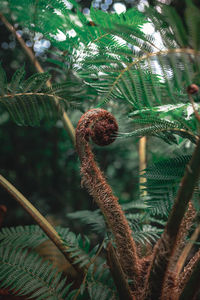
[39,219]
[101,126]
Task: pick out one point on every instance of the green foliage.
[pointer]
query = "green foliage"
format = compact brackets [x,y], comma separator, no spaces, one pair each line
[29,101]
[26,274]
[163,179]
[193,22]
[100,284]
[39,279]
[157,122]
[32,236]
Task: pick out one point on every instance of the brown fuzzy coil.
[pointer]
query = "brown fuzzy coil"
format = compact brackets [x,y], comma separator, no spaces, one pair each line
[101,126]
[192,89]
[102,129]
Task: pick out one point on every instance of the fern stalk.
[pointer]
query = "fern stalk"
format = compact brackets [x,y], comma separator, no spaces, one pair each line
[164,248]
[101,126]
[39,219]
[66,121]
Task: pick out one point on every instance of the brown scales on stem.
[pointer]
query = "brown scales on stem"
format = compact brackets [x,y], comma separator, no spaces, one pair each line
[101,126]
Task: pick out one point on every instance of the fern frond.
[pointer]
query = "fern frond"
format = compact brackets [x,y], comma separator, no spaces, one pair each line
[140,75]
[161,183]
[30,101]
[160,131]
[143,233]
[165,122]
[24,237]
[168,169]
[81,249]
[26,274]
[32,236]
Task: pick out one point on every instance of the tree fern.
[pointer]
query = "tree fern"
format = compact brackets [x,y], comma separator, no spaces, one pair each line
[117,61]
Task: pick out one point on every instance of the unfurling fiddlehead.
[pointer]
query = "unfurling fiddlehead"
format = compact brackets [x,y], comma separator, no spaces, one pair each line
[101,126]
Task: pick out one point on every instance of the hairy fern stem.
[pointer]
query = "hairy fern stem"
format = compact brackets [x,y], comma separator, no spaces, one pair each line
[101,126]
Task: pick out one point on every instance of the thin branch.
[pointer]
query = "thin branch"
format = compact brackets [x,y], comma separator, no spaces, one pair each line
[40,220]
[66,121]
[9,96]
[165,246]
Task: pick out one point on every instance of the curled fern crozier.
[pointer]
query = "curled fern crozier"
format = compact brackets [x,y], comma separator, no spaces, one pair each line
[101,126]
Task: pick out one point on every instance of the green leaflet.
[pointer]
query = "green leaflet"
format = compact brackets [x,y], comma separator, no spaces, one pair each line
[16,80]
